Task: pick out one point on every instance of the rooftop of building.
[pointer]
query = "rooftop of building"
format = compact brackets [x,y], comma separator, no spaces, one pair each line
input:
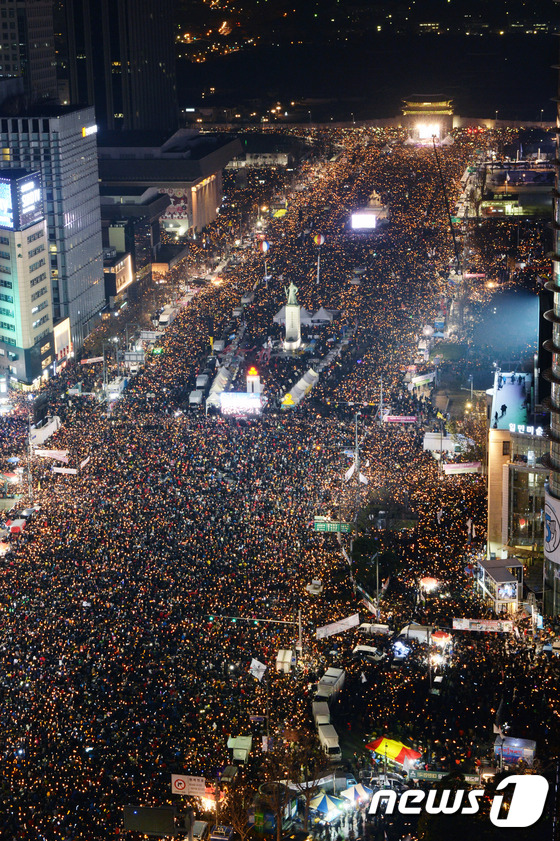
[184,143]
[113,260]
[115,206]
[500,568]
[428,99]
[170,255]
[16,174]
[132,139]
[181,160]
[19,106]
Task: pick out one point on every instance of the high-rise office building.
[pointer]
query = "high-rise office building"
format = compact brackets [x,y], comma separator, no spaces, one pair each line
[60,142]
[26,323]
[120,57]
[27,46]
[551,578]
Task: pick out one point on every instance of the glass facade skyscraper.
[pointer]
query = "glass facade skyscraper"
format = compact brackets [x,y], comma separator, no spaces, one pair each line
[119,55]
[60,143]
[27,46]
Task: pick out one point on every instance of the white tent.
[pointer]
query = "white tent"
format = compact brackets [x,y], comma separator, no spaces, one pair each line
[305,316]
[303,386]
[219,384]
[322,315]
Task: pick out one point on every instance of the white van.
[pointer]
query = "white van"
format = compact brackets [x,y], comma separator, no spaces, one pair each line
[420,633]
[370,629]
[195,397]
[201,830]
[167,317]
[369,653]
[328,737]
[321,713]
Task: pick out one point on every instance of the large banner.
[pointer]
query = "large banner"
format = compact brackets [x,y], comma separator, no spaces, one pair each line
[59,455]
[551,528]
[338,627]
[399,418]
[423,379]
[495,626]
[462,467]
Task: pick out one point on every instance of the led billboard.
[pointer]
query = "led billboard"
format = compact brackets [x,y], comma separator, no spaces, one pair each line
[30,200]
[6,209]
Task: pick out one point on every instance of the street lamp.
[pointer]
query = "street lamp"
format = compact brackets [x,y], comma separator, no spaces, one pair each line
[496,118]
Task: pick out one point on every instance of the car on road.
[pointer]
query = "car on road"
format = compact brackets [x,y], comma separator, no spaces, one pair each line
[368,653]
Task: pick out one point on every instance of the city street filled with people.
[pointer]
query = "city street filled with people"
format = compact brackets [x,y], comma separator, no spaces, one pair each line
[136,596]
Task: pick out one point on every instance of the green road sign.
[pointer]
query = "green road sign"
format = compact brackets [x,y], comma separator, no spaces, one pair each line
[322,524]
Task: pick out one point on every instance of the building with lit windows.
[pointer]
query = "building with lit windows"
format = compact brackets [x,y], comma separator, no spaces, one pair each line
[60,142]
[119,55]
[517,475]
[428,116]
[500,584]
[130,221]
[552,501]
[27,46]
[118,275]
[26,321]
[186,166]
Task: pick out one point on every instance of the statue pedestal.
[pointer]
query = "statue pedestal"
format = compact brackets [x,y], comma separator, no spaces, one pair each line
[292,340]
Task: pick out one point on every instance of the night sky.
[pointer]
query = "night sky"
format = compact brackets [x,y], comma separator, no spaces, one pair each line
[367,56]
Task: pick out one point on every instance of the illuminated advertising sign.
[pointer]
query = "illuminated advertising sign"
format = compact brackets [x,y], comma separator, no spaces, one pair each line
[30,201]
[6,209]
[551,528]
[462,467]
[497,626]
[87,131]
[363,221]
[399,418]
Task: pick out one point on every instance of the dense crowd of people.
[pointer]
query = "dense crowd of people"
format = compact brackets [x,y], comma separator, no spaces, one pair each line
[135,599]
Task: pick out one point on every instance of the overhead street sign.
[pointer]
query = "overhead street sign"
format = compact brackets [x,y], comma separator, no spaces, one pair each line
[323,524]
